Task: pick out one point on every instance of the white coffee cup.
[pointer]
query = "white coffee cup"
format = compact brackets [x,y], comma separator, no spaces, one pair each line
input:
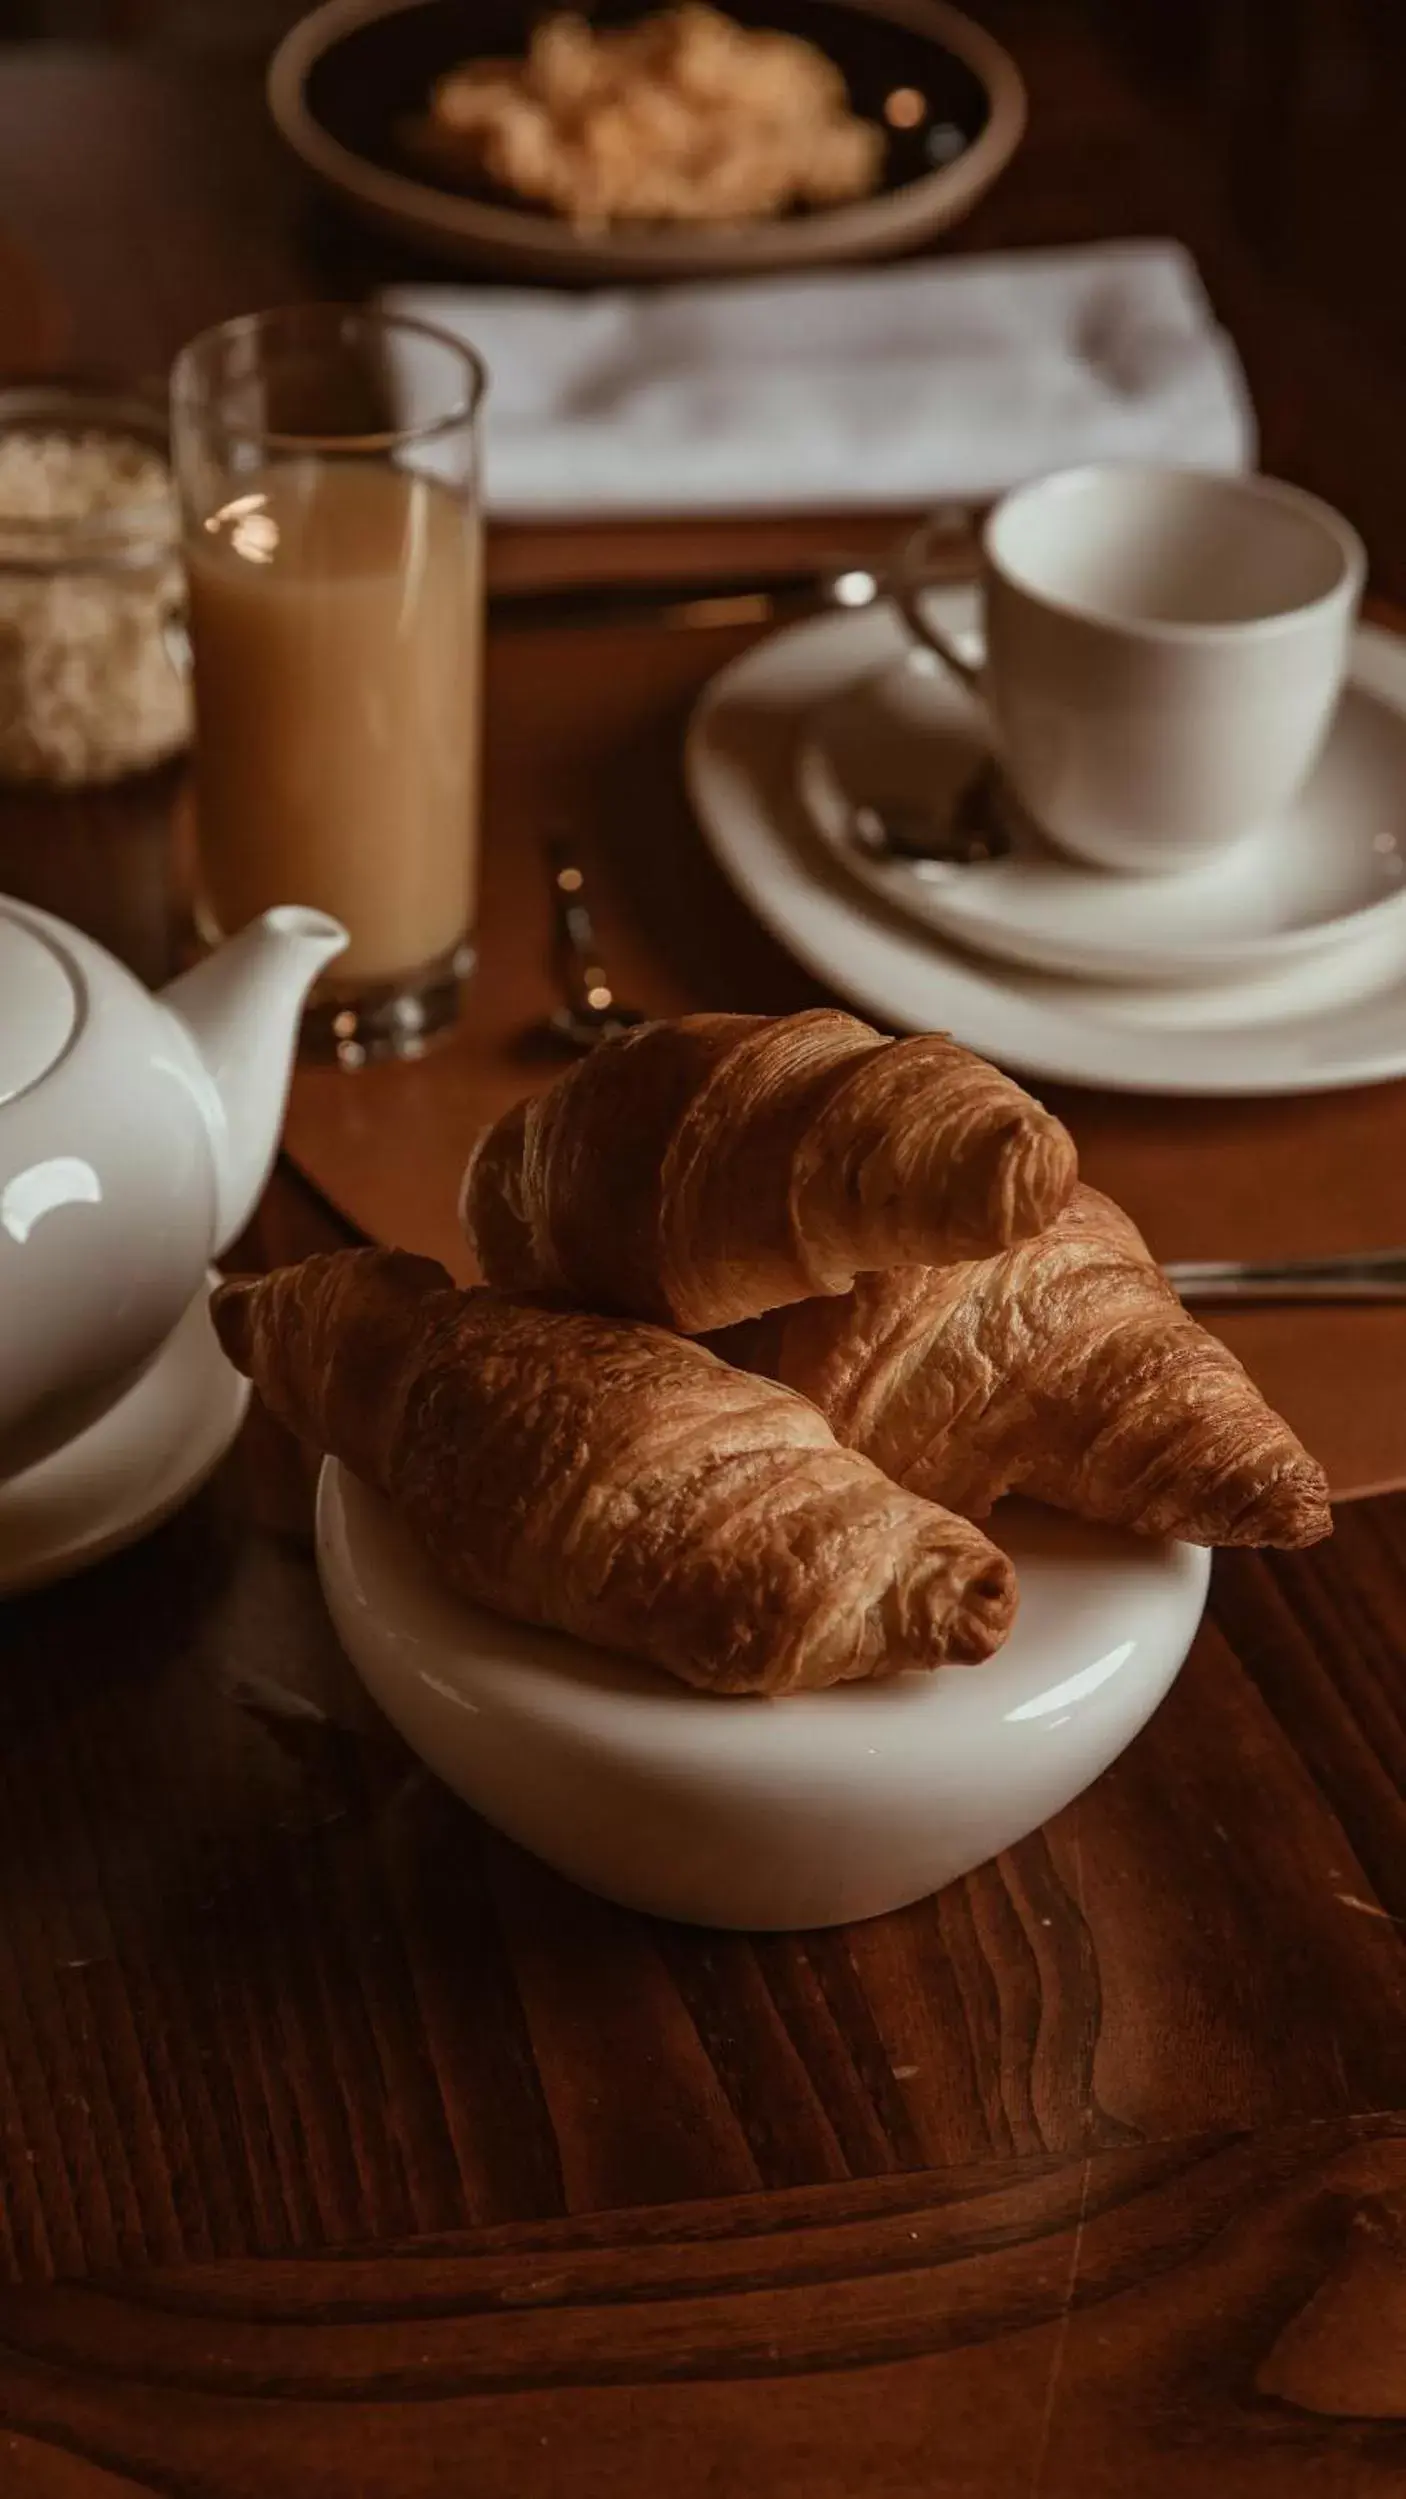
[1164,652]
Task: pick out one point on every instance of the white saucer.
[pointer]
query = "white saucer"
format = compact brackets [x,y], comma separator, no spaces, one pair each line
[131,1468]
[797,1813]
[1336,1017]
[907,733]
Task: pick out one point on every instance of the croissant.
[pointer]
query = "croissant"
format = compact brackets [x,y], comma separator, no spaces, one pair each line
[614,1481]
[1065,1368]
[702,1171]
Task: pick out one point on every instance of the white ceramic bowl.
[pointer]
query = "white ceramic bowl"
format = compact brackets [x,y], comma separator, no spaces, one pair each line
[798,1813]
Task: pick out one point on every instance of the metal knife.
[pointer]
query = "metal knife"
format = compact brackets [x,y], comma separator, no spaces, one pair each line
[691,601]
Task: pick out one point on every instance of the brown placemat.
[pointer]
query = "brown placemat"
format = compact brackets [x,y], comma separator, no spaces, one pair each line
[585,732]
[33,319]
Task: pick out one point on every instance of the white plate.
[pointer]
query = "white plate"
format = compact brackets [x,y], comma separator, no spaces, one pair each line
[130,1469]
[906,733]
[1338,1018]
[805,1812]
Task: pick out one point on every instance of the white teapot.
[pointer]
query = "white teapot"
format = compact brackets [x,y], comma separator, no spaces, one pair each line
[136,1135]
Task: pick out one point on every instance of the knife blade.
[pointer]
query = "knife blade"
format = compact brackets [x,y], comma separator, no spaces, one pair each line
[689,602]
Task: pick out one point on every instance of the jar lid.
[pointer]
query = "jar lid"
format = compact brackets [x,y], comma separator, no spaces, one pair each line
[38,1006]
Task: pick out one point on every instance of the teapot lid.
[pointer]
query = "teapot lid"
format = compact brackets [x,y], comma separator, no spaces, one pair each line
[38,1006]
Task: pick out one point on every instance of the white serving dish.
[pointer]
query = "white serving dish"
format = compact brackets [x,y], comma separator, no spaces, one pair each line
[800,1813]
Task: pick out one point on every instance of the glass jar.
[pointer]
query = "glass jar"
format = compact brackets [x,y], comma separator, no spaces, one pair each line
[93,672]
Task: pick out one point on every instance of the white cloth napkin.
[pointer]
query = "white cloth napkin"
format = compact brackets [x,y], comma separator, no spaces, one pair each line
[880,386]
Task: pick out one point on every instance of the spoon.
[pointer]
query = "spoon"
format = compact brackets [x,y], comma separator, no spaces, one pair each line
[590,1012]
[904,830]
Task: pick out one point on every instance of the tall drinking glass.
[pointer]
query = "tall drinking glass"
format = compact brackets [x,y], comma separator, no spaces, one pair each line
[327,460]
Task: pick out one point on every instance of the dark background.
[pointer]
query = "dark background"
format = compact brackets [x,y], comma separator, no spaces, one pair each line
[1301,105]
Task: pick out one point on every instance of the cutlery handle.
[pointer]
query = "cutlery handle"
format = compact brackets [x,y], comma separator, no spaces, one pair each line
[756,595]
[1371,1276]
[690,601]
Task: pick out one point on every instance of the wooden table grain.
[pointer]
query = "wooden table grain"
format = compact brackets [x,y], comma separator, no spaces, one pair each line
[345,2150]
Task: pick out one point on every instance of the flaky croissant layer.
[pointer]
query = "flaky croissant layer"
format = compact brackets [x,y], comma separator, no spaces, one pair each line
[1065,1368]
[615,1481]
[702,1171]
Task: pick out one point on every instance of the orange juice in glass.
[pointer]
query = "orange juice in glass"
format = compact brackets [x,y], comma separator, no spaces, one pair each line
[328,466]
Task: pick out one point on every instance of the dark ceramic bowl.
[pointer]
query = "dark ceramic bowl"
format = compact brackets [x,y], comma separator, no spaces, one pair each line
[347,80]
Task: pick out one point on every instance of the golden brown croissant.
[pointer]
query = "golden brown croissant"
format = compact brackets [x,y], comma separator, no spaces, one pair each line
[615,1481]
[705,1170]
[1065,1368]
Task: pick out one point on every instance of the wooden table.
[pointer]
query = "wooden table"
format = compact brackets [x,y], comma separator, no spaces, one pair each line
[344,2150]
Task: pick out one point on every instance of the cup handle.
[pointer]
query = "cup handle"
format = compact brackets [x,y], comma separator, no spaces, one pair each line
[907,582]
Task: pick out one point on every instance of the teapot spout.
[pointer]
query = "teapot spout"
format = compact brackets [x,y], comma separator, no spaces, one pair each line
[241,1008]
